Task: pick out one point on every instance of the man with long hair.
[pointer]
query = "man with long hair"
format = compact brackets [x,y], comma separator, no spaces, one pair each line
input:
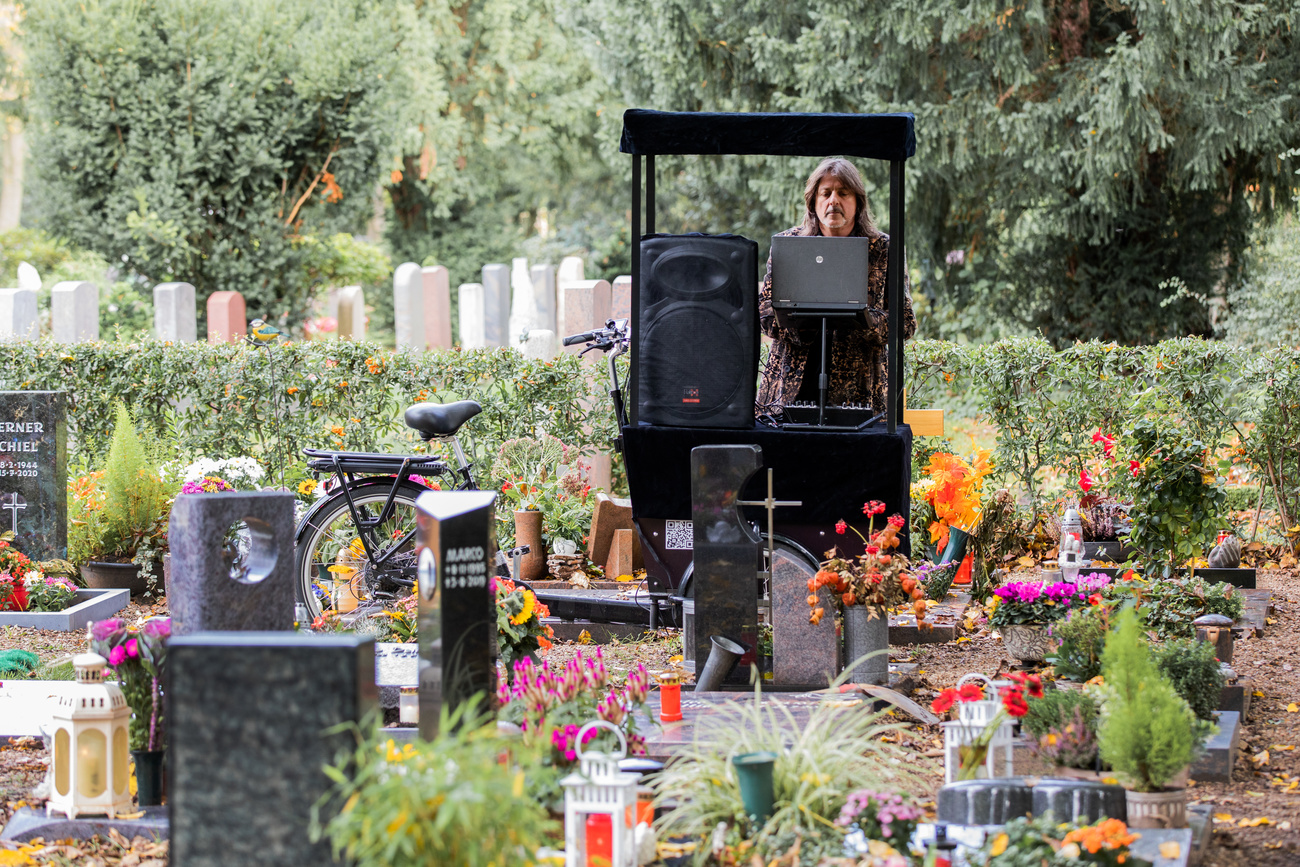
[835,205]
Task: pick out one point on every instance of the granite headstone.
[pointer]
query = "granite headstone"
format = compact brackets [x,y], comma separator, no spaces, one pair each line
[232,562]
[247,715]
[456,544]
[33,472]
[726,552]
[804,655]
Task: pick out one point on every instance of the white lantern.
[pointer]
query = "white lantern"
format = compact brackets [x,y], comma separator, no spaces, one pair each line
[598,789]
[1071,547]
[89,757]
[972,718]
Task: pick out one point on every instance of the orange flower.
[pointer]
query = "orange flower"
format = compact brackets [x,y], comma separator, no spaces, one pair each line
[337,430]
[332,193]
[293,389]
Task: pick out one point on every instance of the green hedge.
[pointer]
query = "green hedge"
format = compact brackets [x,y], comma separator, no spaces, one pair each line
[217,400]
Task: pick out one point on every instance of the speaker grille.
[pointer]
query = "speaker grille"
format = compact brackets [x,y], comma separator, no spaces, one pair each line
[697,346]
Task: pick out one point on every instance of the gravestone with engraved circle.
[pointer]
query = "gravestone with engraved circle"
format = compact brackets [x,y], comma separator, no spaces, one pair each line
[456,541]
[232,562]
[33,472]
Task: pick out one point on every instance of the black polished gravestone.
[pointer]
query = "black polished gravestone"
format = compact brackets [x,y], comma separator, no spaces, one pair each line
[34,472]
[247,719]
[231,562]
[456,544]
[726,552]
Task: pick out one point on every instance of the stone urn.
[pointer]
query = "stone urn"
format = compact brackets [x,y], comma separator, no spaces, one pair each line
[1028,642]
[528,531]
[102,575]
[866,631]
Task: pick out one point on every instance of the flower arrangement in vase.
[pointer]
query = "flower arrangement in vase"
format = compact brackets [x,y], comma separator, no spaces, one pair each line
[138,657]
[953,486]
[876,578]
[521,634]
[973,739]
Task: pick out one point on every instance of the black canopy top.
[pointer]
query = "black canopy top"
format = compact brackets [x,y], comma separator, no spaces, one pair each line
[889,137]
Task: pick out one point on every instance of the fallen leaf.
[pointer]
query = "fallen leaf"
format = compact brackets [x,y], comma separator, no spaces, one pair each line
[1258,694]
[1255,822]
[584,637]
[1026,561]
[1269,621]
[1283,746]
[1256,794]
[1260,758]
[1284,826]
[1171,850]
[139,815]
[999,845]
[1293,708]
[1224,818]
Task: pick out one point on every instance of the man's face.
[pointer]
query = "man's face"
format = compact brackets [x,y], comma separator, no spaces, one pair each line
[836,207]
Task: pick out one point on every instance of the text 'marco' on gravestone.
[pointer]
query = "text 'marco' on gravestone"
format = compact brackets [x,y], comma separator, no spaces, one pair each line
[33,472]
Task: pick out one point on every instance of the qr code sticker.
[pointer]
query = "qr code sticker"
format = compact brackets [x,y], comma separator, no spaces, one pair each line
[681,536]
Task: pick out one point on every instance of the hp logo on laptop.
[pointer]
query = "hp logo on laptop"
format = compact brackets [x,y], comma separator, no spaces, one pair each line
[819,260]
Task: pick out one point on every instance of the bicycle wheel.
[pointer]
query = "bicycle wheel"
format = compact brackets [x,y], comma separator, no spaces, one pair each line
[337,569]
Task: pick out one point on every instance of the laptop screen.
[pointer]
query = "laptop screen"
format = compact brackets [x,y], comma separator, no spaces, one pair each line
[819,276]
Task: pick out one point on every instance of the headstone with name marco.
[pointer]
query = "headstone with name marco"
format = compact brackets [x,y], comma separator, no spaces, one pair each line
[33,472]
[456,544]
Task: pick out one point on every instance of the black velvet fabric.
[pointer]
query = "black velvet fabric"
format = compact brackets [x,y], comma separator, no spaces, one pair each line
[874,136]
[832,472]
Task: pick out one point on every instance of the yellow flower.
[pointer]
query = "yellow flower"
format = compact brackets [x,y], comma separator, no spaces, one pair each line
[1000,843]
[307,487]
[530,602]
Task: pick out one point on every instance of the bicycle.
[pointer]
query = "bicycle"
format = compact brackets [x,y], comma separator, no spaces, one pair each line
[356,547]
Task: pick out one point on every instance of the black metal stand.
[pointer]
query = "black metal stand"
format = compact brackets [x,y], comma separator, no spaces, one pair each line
[823,386]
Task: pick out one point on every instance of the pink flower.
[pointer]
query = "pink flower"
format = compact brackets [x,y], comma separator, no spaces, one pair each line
[102,629]
[131,649]
[117,656]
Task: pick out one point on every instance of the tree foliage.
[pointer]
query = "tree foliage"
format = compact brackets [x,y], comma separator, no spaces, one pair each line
[1073,156]
[205,141]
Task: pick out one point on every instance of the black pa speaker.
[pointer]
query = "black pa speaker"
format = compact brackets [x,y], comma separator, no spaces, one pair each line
[697,345]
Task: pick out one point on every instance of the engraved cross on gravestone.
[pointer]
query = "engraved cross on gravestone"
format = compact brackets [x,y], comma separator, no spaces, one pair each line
[14,503]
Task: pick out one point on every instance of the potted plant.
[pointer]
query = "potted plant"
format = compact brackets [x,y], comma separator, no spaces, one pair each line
[117,527]
[1079,639]
[1023,610]
[1045,840]
[865,587]
[1148,733]
[1062,726]
[952,487]
[138,657]
[525,466]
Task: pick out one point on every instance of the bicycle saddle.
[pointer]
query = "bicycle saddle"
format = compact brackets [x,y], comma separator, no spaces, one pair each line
[440,419]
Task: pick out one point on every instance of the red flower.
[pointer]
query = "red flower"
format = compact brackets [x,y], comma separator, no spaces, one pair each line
[873,507]
[970,692]
[1107,443]
[841,527]
[1034,686]
[1094,599]
[896,521]
[1086,481]
[873,549]
[506,487]
[1134,467]
[945,700]
[1014,701]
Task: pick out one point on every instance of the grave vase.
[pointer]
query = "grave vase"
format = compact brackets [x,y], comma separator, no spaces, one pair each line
[1164,809]
[1028,642]
[148,776]
[528,531]
[864,634]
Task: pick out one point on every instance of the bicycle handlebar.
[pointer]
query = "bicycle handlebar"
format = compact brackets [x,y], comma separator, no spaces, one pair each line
[580,338]
[615,330]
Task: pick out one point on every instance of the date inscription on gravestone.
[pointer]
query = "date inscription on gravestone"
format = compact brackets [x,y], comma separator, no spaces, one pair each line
[33,472]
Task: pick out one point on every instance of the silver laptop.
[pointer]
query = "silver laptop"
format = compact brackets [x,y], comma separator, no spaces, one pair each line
[819,276]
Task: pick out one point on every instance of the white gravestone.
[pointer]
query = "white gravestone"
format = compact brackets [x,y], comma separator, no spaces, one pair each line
[543,277]
[523,309]
[18,314]
[349,304]
[538,344]
[74,312]
[472,316]
[174,316]
[496,305]
[586,307]
[408,306]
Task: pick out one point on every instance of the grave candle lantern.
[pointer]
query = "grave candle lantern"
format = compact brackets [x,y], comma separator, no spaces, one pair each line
[600,796]
[1071,547]
[89,756]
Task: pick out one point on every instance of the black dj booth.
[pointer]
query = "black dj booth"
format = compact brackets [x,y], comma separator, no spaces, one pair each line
[682,298]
